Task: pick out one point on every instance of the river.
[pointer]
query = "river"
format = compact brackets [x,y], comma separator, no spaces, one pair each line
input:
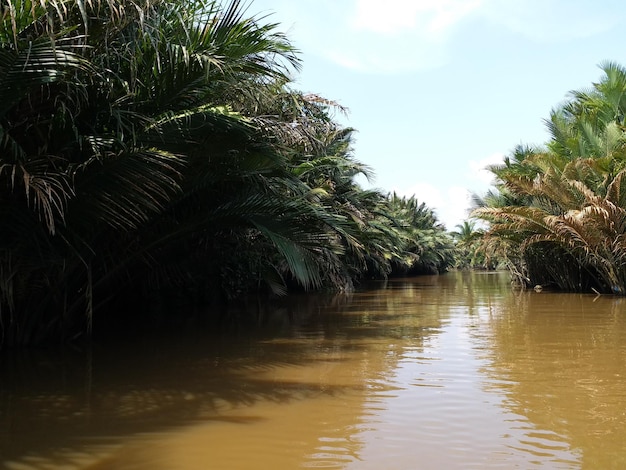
[458,371]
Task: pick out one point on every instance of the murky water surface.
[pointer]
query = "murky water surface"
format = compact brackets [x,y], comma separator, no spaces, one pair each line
[450,372]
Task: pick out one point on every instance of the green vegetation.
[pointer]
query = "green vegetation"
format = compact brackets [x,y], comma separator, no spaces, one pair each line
[425,247]
[558,213]
[152,153]
[469,255]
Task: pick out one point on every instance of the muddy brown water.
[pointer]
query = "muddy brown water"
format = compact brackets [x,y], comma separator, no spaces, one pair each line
[444,372]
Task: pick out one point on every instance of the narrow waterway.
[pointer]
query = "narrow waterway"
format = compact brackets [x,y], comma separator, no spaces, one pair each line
[440,372]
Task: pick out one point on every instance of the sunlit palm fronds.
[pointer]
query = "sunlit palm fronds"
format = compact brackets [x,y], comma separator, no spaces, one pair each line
[565,223]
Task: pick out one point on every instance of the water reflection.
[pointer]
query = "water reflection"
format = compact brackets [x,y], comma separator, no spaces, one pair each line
[454,371]
[303,372]
[560,361]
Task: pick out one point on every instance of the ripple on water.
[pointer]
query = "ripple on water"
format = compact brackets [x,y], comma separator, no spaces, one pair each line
[447,372]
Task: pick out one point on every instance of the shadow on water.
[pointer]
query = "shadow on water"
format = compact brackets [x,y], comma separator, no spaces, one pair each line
[55,402]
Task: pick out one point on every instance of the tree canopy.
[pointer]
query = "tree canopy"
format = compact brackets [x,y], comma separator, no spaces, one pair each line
[558,214]
[154,152]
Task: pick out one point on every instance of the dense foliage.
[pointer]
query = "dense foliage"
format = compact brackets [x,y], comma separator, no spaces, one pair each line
[469,255]
[153,153]
[558,214]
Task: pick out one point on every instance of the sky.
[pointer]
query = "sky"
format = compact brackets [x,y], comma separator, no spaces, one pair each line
[439,89]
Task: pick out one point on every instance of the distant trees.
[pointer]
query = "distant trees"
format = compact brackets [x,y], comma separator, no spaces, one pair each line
[558,215]
[154,151]
[426,247]
[467,238]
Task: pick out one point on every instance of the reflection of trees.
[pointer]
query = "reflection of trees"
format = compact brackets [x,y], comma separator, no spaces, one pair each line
[560,358]
[61,400]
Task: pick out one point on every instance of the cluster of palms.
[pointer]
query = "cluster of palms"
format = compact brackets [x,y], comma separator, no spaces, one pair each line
[558,214]
[153,152]
[468,244]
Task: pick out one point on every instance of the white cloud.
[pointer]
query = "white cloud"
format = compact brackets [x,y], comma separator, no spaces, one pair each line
[426,18]
[406,35]
[398,35]
[478,171]
[554,20]
[424,192]
[451,204]
[372,37]
[458,207]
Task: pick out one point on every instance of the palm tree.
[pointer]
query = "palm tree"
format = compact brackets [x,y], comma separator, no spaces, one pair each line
[426,247]
[154,152]
[120,147]
[467,241]
[556,215]
[543,240]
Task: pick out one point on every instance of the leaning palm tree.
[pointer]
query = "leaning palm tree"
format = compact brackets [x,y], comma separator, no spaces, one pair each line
[153,151]
[120,147]
[558,215]
[580,232]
